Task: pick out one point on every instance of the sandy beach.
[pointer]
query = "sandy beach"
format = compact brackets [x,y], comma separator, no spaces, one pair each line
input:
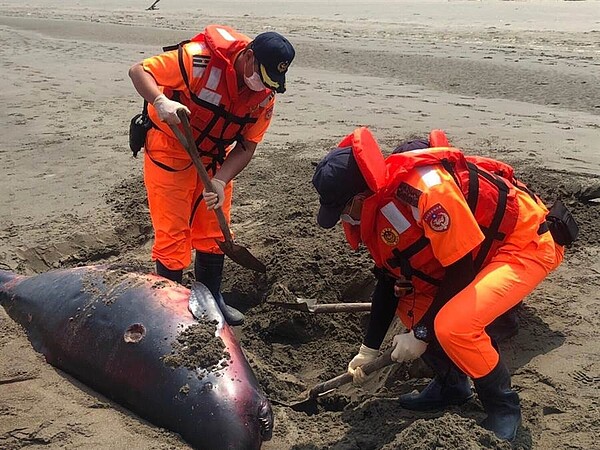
[518,81]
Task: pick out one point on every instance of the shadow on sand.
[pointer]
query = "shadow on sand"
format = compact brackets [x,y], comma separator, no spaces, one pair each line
[376,421]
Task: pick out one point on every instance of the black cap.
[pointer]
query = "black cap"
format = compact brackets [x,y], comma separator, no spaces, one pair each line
[274,54]
[416,144]
[337,179]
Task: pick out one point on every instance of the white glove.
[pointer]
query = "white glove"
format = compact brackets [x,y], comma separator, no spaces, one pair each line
[167,109]
[215,199]
[365,355]
[407,347]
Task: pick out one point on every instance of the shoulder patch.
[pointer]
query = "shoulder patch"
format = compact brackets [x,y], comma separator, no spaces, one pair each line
[408,194]
[199,64]
[437,218]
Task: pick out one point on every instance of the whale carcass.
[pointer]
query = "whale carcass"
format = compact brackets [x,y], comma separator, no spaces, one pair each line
[131,337]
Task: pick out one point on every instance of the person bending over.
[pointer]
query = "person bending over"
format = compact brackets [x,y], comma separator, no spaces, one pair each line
[457,243]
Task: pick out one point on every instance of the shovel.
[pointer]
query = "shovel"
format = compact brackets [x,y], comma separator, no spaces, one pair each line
[310,305]
[236,252]
[308,401]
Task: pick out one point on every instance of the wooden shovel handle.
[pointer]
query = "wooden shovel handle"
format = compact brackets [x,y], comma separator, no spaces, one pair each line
[382,361]
[340,307]
[190,147]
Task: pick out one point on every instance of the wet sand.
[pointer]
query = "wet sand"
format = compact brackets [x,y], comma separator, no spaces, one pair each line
[513,80]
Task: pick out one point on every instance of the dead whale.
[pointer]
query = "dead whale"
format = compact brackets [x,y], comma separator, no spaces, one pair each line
[131,337]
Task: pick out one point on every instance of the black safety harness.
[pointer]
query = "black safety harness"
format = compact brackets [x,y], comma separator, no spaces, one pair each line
[401,258]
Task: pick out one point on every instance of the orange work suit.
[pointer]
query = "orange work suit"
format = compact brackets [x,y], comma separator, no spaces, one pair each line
[420,221]
[199,74]
[516,267]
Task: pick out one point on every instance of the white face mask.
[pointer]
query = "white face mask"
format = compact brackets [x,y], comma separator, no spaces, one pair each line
[349,219]
[254,82]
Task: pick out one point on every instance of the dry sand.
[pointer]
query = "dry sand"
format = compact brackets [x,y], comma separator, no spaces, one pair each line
[514,80]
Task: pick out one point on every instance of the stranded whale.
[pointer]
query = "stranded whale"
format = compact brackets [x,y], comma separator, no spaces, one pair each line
[131,337]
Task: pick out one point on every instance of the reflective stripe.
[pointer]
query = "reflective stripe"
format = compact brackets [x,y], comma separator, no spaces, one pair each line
[266,101]
[195,47]
[198,71]
[429,175]
[210,96]
[225,34]
[395,217]
[416,213]
[213,78]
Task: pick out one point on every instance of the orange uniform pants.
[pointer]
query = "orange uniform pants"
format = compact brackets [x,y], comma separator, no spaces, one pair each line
[513,273]
[171,199]
[505,281]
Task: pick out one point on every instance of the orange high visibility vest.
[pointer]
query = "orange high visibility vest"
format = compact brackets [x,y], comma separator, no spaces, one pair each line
[491,199]
[218,114]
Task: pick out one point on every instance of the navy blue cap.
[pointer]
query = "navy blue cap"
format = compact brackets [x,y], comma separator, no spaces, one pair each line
[416,144]
[274,54]
[337,179]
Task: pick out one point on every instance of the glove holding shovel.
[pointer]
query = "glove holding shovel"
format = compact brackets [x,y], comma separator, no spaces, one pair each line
[236,252]
[406,347]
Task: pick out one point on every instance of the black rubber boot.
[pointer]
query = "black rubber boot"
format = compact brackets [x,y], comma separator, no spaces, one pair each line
[500,403]
[450,386]
[173,275]
[208,270]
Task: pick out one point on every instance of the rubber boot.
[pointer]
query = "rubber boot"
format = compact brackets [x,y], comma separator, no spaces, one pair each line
[208,270]
[450,386]
[173,275]
[500,403]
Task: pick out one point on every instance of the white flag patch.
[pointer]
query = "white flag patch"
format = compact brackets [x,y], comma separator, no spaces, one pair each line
[395,217]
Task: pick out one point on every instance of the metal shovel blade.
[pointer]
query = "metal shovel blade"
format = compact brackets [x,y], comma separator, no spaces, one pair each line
[241,255]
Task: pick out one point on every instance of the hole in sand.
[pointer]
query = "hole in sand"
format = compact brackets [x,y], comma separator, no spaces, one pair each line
[135,333]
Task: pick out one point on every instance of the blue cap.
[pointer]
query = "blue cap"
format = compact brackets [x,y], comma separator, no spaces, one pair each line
[274,54]
[337,179]
[416,144]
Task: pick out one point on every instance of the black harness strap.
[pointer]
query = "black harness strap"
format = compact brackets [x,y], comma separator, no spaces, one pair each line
[219,112]
[165,167]
[401,259]
[492,233]
[473,187]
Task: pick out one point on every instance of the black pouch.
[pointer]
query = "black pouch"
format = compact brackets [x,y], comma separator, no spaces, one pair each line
[562,225]
[138,128]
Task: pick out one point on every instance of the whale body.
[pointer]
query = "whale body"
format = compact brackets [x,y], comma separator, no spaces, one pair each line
[131,337]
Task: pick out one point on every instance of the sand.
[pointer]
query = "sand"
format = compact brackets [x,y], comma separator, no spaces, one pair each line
[513,80]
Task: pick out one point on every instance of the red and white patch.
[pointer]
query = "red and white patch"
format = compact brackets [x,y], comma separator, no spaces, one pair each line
[437,218]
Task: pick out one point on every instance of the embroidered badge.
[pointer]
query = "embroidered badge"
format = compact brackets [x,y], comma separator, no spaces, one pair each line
[408,194]
[390,236]
[437,218]
[283,66]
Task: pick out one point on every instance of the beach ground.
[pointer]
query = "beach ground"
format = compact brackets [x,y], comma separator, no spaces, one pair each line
[513,80]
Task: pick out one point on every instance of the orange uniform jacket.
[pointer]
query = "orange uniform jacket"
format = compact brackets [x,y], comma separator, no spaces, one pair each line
[432,207]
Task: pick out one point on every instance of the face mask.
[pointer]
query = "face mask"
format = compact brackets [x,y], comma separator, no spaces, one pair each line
[349,219]
[254,82]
